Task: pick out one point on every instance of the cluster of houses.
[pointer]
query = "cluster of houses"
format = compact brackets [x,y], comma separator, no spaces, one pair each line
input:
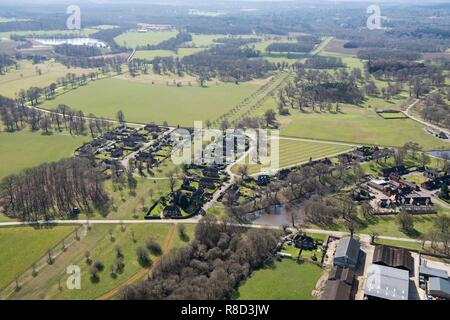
[195,191]
[392,193]
[113,146]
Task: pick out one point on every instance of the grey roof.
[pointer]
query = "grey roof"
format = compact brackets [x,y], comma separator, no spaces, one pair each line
[387,283]
[439,285]
[347,247]
[431,272]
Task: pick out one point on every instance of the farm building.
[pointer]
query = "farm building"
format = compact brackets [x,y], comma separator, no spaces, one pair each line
[347,253]
[337,290]
[393,257]
[386,283]
[439,288]
[342,274]
[425,273]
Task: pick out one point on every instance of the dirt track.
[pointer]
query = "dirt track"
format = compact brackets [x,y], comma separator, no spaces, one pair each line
[111,294]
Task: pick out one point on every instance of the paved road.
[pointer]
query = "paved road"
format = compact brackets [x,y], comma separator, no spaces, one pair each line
[196,220]
[407,113]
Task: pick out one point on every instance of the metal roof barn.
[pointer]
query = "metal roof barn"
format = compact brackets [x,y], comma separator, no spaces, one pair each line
[386,283]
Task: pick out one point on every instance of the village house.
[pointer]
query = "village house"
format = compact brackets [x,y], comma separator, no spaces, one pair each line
[399,170]
[437,183]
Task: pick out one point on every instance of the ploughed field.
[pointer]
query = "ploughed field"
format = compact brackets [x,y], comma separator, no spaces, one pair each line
[144,102]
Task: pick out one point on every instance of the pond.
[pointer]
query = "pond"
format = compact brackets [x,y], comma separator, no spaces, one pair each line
[277,216]
[72,41]
[440,154]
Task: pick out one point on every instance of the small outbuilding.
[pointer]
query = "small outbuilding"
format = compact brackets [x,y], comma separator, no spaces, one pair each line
[439,288]
[347,253]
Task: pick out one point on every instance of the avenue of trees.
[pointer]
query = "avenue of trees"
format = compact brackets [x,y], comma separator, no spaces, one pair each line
[16,116]
[211,267]
[53,190]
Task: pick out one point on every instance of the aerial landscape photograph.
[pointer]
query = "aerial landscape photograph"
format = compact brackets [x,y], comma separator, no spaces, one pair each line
[229,156]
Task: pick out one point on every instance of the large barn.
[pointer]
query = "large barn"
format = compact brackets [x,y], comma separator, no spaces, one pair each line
[386,283]
[347,253]
[393,257]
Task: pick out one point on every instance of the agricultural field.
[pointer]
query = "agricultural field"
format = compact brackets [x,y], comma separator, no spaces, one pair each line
[359,125]
[152,54]
[297,151]
[27,76]
[101,241]
[143,102]
[21,246]
[27,149]
[132,39]
[285,280]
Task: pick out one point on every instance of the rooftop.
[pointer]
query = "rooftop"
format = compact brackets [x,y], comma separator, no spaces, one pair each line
[347,247]
[387,283]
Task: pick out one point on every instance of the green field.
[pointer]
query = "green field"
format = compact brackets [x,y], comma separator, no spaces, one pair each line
[158,103]
[98,242]
[284,280]
[295,152]
[26,76]
[151,54]
[21,246]
[133,39]
[360,126]
[27,149]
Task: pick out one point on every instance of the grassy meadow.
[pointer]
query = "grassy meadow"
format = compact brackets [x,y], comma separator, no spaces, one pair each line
[142,102]
[285,280]
[132,39]
[21,246]
[296,152]
[27,76]
[152,54]
[25,149]
[102,247]
[359,125]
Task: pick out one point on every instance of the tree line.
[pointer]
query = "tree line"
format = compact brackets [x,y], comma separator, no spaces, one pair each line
[319,89]
[211,267]
[53,190]
[172,44]
[16,116]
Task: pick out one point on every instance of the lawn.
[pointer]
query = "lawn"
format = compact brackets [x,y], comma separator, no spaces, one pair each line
[359,125]
[296,152]
[142,102]
[284,280]
[27,149]
[101,247]
[26,76]
[132,39]
[21,246]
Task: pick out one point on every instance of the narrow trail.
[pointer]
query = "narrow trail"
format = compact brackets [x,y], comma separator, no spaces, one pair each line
[111,294]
